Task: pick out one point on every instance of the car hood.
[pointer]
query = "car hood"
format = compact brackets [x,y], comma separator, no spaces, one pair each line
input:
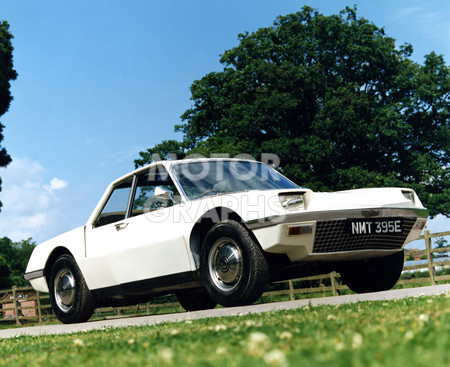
[253,205]
[364,198]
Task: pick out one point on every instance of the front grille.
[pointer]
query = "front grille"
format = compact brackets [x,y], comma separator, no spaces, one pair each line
[333,236]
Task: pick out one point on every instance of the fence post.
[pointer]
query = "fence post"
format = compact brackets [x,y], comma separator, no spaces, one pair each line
[334,283]
[291,290]
[431,269]
[38,302]
[16,304]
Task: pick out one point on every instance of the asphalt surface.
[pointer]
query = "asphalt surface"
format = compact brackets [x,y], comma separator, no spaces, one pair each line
[223,312]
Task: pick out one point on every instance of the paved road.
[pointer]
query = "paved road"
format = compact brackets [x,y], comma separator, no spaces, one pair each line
[221,312]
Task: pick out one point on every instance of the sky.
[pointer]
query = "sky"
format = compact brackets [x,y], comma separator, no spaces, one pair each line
[100,81]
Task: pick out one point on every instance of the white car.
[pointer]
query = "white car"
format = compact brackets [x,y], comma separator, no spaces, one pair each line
[217,231]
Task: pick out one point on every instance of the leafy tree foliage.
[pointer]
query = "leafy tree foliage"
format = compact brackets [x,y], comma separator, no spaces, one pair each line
[441,242]
[168,149]
[7,73]
[335,99]
[5,272]
[14,257]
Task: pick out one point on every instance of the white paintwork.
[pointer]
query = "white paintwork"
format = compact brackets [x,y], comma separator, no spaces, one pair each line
[73,241]
[144,249]
[389,197]
[156,243]
[274,239]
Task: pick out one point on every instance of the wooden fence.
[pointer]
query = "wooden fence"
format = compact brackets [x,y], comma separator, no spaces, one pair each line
[23,303]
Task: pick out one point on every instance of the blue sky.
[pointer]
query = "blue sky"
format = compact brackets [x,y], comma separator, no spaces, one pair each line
[101,80]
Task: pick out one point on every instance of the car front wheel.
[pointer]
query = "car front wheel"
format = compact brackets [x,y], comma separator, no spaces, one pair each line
[233,266]
[69,295]
[373,275]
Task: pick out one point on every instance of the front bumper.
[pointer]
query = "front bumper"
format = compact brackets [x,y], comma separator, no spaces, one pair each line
[329,239]
[37,280]
[34,275]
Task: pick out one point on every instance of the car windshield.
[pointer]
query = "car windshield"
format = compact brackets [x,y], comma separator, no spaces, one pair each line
[205,178]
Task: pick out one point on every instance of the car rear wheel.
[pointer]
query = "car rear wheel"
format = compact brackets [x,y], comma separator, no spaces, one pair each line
[195,299]
[69,295]
[373,275]
[232,265]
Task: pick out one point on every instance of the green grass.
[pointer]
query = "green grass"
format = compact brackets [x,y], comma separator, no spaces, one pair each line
[142,310]
[409,332]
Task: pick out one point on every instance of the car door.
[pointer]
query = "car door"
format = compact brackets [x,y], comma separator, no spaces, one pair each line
[138,237]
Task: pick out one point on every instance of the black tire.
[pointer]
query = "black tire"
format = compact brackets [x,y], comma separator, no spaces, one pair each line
[232,265]
[69,295]
[195,299]
[373,275]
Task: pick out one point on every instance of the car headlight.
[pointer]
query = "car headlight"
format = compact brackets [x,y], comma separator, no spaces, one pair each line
[292,201]
[409,195]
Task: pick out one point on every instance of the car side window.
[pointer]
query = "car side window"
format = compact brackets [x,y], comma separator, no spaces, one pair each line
[116,206]
[154,190]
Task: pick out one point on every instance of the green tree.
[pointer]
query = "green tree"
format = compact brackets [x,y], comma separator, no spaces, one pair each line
[335,99]
[441,242]
[5,273]
[7,73]
[14,258]
[167,149]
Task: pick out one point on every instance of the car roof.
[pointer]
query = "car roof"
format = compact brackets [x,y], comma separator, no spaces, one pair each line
[169,163]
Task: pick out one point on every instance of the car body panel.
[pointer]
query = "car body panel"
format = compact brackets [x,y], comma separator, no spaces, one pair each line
[71,241]
[273,234]
[141,250]
[159,243]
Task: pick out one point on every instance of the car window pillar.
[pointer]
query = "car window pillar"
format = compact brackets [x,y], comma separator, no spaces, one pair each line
[131,197]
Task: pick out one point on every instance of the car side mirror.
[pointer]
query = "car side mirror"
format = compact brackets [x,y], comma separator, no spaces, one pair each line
[163,194]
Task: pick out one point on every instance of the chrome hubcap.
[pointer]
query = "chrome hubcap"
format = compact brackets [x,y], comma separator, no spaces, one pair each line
[225,264]
[65,289]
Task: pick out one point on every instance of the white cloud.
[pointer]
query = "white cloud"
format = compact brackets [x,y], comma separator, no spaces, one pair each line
[404,11]
[122,156]
[31,203]
[56,184]
[427,20]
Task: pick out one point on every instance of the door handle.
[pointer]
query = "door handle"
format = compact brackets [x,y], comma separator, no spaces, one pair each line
[120,226]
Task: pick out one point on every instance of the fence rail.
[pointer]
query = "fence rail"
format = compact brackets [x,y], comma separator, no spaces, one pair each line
[23,303]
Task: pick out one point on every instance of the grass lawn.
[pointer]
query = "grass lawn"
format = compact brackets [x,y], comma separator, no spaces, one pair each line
[409,332]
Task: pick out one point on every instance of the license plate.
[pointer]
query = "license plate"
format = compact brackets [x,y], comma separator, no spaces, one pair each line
[360,227]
